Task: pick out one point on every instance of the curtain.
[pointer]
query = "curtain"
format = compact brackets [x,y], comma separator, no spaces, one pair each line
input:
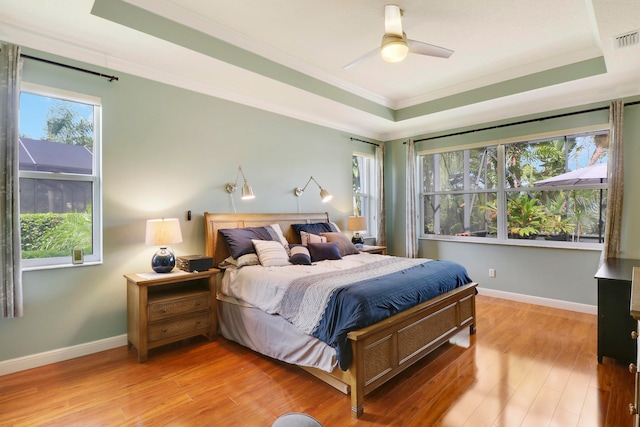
[11,273]
[411,235]
[615,180]
[381,216]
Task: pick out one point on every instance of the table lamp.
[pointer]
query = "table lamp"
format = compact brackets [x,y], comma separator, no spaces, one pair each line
[357,224]
[163,232]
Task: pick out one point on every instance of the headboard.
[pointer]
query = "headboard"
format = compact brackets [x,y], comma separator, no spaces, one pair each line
[216,221]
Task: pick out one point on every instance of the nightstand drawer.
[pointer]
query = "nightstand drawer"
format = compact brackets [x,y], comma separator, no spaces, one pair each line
[166,308]
[163,330]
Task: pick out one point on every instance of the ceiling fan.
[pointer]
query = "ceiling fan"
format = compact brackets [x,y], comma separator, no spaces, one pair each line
[395,46]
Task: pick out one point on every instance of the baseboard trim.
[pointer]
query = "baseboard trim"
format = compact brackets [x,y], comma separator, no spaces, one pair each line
[547,302]
[35,360]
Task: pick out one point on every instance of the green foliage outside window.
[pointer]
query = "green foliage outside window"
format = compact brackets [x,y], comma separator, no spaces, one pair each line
[47,235]
[460,190]
[527,216]
[357,186]
[65,125]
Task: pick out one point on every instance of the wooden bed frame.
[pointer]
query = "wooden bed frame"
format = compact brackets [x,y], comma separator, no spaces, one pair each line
[380,351]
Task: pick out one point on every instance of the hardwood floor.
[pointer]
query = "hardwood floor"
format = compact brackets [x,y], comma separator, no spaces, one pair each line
[526,366]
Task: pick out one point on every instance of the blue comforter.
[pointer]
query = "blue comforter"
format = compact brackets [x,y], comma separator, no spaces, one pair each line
[364,303]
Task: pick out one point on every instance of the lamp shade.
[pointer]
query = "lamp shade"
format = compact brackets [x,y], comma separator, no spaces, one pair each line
[357,223]
[325,195]
[247,192]
[163,232]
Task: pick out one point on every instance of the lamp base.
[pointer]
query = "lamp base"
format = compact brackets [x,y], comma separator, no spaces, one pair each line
[163,261]
[357,240]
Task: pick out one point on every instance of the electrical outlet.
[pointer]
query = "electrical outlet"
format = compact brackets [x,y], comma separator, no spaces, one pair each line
[492,273]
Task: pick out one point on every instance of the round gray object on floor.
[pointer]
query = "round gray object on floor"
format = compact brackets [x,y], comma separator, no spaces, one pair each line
[296,419]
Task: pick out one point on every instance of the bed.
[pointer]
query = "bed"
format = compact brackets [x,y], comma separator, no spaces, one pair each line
[377,352]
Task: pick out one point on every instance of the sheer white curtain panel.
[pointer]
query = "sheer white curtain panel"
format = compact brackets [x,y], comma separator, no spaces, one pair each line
[411,234]
[381,216]
[11,304]
[615,179]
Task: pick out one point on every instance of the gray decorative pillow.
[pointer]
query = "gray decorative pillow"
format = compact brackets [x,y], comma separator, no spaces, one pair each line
[276,234]
[344,244]
[238,240]
[324,251]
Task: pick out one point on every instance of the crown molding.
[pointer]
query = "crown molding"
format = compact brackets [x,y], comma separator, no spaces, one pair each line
[214,29]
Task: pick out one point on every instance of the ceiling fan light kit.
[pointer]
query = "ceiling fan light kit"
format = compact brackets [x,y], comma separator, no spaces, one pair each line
[394,48]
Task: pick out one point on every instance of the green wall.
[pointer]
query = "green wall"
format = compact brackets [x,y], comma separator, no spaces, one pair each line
[166,151]
[558,274]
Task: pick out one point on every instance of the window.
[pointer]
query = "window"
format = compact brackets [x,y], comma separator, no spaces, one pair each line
[59,176]
[364,191]
[548,190]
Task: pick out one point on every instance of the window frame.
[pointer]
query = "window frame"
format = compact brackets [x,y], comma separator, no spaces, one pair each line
[95,178]
[369,195]
[502,191]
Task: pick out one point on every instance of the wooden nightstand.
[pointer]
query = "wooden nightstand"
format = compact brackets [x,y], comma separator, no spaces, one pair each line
[382,250]
[164,308]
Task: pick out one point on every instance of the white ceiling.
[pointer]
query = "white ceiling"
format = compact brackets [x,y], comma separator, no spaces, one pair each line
[494,41]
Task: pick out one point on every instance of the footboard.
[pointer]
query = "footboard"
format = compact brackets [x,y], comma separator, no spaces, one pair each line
[383,350]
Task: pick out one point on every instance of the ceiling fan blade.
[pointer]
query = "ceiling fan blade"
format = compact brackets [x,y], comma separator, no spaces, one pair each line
[393,20]
[422,48]
[363,58]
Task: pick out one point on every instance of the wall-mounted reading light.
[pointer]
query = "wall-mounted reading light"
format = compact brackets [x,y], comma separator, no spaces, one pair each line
[247,191]
[324,194]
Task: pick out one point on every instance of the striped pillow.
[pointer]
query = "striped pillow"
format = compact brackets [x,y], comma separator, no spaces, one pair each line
[307,238]
[299,255]
[271,253]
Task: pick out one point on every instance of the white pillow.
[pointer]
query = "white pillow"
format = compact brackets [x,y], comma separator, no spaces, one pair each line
[271,253]
[307,238]
[279,234]
[247,259]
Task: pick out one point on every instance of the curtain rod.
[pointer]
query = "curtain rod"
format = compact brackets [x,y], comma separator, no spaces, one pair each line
[366,142]
[71,67]
[519,123]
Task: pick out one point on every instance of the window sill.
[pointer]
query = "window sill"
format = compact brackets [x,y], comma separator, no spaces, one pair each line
[57,266]
[544,244]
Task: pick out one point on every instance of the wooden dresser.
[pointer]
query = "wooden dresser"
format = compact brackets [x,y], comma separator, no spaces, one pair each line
[633,367]
[614,321]
[164,308]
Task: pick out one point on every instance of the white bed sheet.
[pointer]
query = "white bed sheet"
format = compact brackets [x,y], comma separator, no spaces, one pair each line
[248,302]
[264,287]
[273,336]
[249,297]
